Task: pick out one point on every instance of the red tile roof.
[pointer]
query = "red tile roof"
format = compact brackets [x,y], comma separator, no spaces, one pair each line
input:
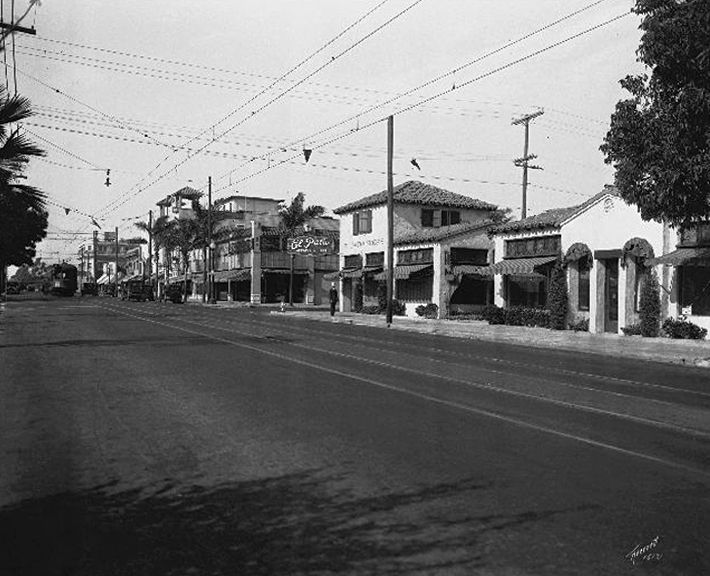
[426,235]
[413,192]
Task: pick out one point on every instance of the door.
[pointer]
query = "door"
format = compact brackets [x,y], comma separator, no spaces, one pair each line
[611,295]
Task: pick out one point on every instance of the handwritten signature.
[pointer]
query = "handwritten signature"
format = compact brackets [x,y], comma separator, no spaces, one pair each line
[645,553]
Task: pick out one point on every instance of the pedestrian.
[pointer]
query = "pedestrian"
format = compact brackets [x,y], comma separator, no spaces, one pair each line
[333,298]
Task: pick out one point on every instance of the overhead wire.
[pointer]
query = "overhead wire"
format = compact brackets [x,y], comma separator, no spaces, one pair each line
[113,206]
[447,74]
[438,95]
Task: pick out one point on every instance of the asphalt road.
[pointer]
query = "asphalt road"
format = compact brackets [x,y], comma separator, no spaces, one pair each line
[145,438]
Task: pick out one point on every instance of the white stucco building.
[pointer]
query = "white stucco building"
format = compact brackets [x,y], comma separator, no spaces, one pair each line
[607,247]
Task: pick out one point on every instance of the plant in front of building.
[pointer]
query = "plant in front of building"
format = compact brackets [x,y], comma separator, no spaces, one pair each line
[493,314]
[632,330]
[682,329]
[650,305]
[429,310]
[580,325]
[557,298]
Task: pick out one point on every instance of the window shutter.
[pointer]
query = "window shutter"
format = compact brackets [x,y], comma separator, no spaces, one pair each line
[427,217]
[356,224]
[437,218]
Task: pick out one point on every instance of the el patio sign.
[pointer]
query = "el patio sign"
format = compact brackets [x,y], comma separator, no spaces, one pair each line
[310,245]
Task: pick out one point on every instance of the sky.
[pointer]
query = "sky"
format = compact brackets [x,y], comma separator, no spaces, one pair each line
[167,94]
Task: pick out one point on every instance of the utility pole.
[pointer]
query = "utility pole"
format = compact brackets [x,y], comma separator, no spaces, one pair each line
[96,265]
[150,249]
[115,292]
[211,298]
[390,219]
[524,162]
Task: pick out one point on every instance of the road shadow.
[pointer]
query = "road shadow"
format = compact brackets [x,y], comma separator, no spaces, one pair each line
[295,524]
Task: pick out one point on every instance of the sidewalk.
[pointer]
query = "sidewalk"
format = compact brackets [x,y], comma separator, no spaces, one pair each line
[689,352]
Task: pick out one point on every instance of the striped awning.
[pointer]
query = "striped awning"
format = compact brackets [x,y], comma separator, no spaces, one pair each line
[471,269]
[331,275]
[403,272]
[351,273]
[520,265]
[684,257]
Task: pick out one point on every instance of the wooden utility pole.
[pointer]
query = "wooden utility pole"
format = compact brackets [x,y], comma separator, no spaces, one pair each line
[211,298]
[95,267]
[115,291]
[150,248]
[390,219]
[524,162]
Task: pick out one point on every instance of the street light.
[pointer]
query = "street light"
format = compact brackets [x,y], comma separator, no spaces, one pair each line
[211,290]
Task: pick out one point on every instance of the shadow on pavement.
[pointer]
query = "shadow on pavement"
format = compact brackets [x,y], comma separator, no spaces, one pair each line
[296,524]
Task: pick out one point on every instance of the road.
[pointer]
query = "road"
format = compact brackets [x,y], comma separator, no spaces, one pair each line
[147,438]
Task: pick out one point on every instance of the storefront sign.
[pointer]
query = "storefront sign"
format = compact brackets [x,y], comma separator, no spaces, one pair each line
[310,245]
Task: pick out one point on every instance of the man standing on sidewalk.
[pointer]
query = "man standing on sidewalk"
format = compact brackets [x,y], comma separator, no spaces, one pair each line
[333,298]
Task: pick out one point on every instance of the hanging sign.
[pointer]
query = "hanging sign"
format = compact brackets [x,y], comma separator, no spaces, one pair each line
[310,245]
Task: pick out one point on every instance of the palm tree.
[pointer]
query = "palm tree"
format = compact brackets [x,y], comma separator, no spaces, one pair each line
[23,207]
[162,234]
[294,215]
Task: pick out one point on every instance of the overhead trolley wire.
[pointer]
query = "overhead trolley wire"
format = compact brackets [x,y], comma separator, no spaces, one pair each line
[356,117]
[112,207]
[440,94]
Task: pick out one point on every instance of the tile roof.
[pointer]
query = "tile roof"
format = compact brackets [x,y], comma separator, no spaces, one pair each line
[553,218]
[413,192]
[425,235]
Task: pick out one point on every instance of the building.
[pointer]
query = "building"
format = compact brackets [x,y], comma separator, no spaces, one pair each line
[440,248]
[606,247]
[98,258]
[250,262]
[689,269]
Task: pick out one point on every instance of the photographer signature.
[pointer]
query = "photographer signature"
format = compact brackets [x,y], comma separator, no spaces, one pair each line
[644,553]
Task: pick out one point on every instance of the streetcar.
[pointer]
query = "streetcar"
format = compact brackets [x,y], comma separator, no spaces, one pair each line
[63,279]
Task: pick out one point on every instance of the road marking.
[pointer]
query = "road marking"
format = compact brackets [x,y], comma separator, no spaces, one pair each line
[457,405]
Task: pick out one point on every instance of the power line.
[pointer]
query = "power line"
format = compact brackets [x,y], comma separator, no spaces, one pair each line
[435,96]
[450,73]
[58,147]
[113,206]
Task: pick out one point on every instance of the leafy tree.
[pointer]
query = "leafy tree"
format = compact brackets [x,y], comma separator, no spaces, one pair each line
[294,215]
[659,138]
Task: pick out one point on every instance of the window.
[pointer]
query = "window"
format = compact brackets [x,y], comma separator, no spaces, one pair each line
[476,256]
[526,290]
[436,218]
[375,259]
[362,222]
[536,246]
[695,289]
[583,285]
[415,289]
[422,256]
[353,261]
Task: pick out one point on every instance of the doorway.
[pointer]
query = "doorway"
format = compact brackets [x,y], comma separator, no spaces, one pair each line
[611,295]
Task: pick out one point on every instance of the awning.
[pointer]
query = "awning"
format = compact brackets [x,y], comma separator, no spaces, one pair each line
[103,279]
[520,265]
[471,269]
[351,273]
[331,275]
[403,272]
[284,271]
[237,275]
[684,257]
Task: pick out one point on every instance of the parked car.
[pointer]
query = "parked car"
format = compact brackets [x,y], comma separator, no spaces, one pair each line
[173,292]
[136,290]
[89,289]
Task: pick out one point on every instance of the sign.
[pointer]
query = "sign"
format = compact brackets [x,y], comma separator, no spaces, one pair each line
[310,245]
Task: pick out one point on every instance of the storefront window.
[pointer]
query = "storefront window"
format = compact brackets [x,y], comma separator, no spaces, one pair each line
[526,290]
[695,289]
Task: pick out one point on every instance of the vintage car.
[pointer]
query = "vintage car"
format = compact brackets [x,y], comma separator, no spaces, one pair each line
[136,290]
[89,289]
[173,292]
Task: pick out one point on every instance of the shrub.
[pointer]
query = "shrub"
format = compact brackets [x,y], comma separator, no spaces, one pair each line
[374,309]
[580,325]
[381,295]
[398,308]
[650,305]
[493,314]
[683,329]
[557,297]
[429,310]
[632,330]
